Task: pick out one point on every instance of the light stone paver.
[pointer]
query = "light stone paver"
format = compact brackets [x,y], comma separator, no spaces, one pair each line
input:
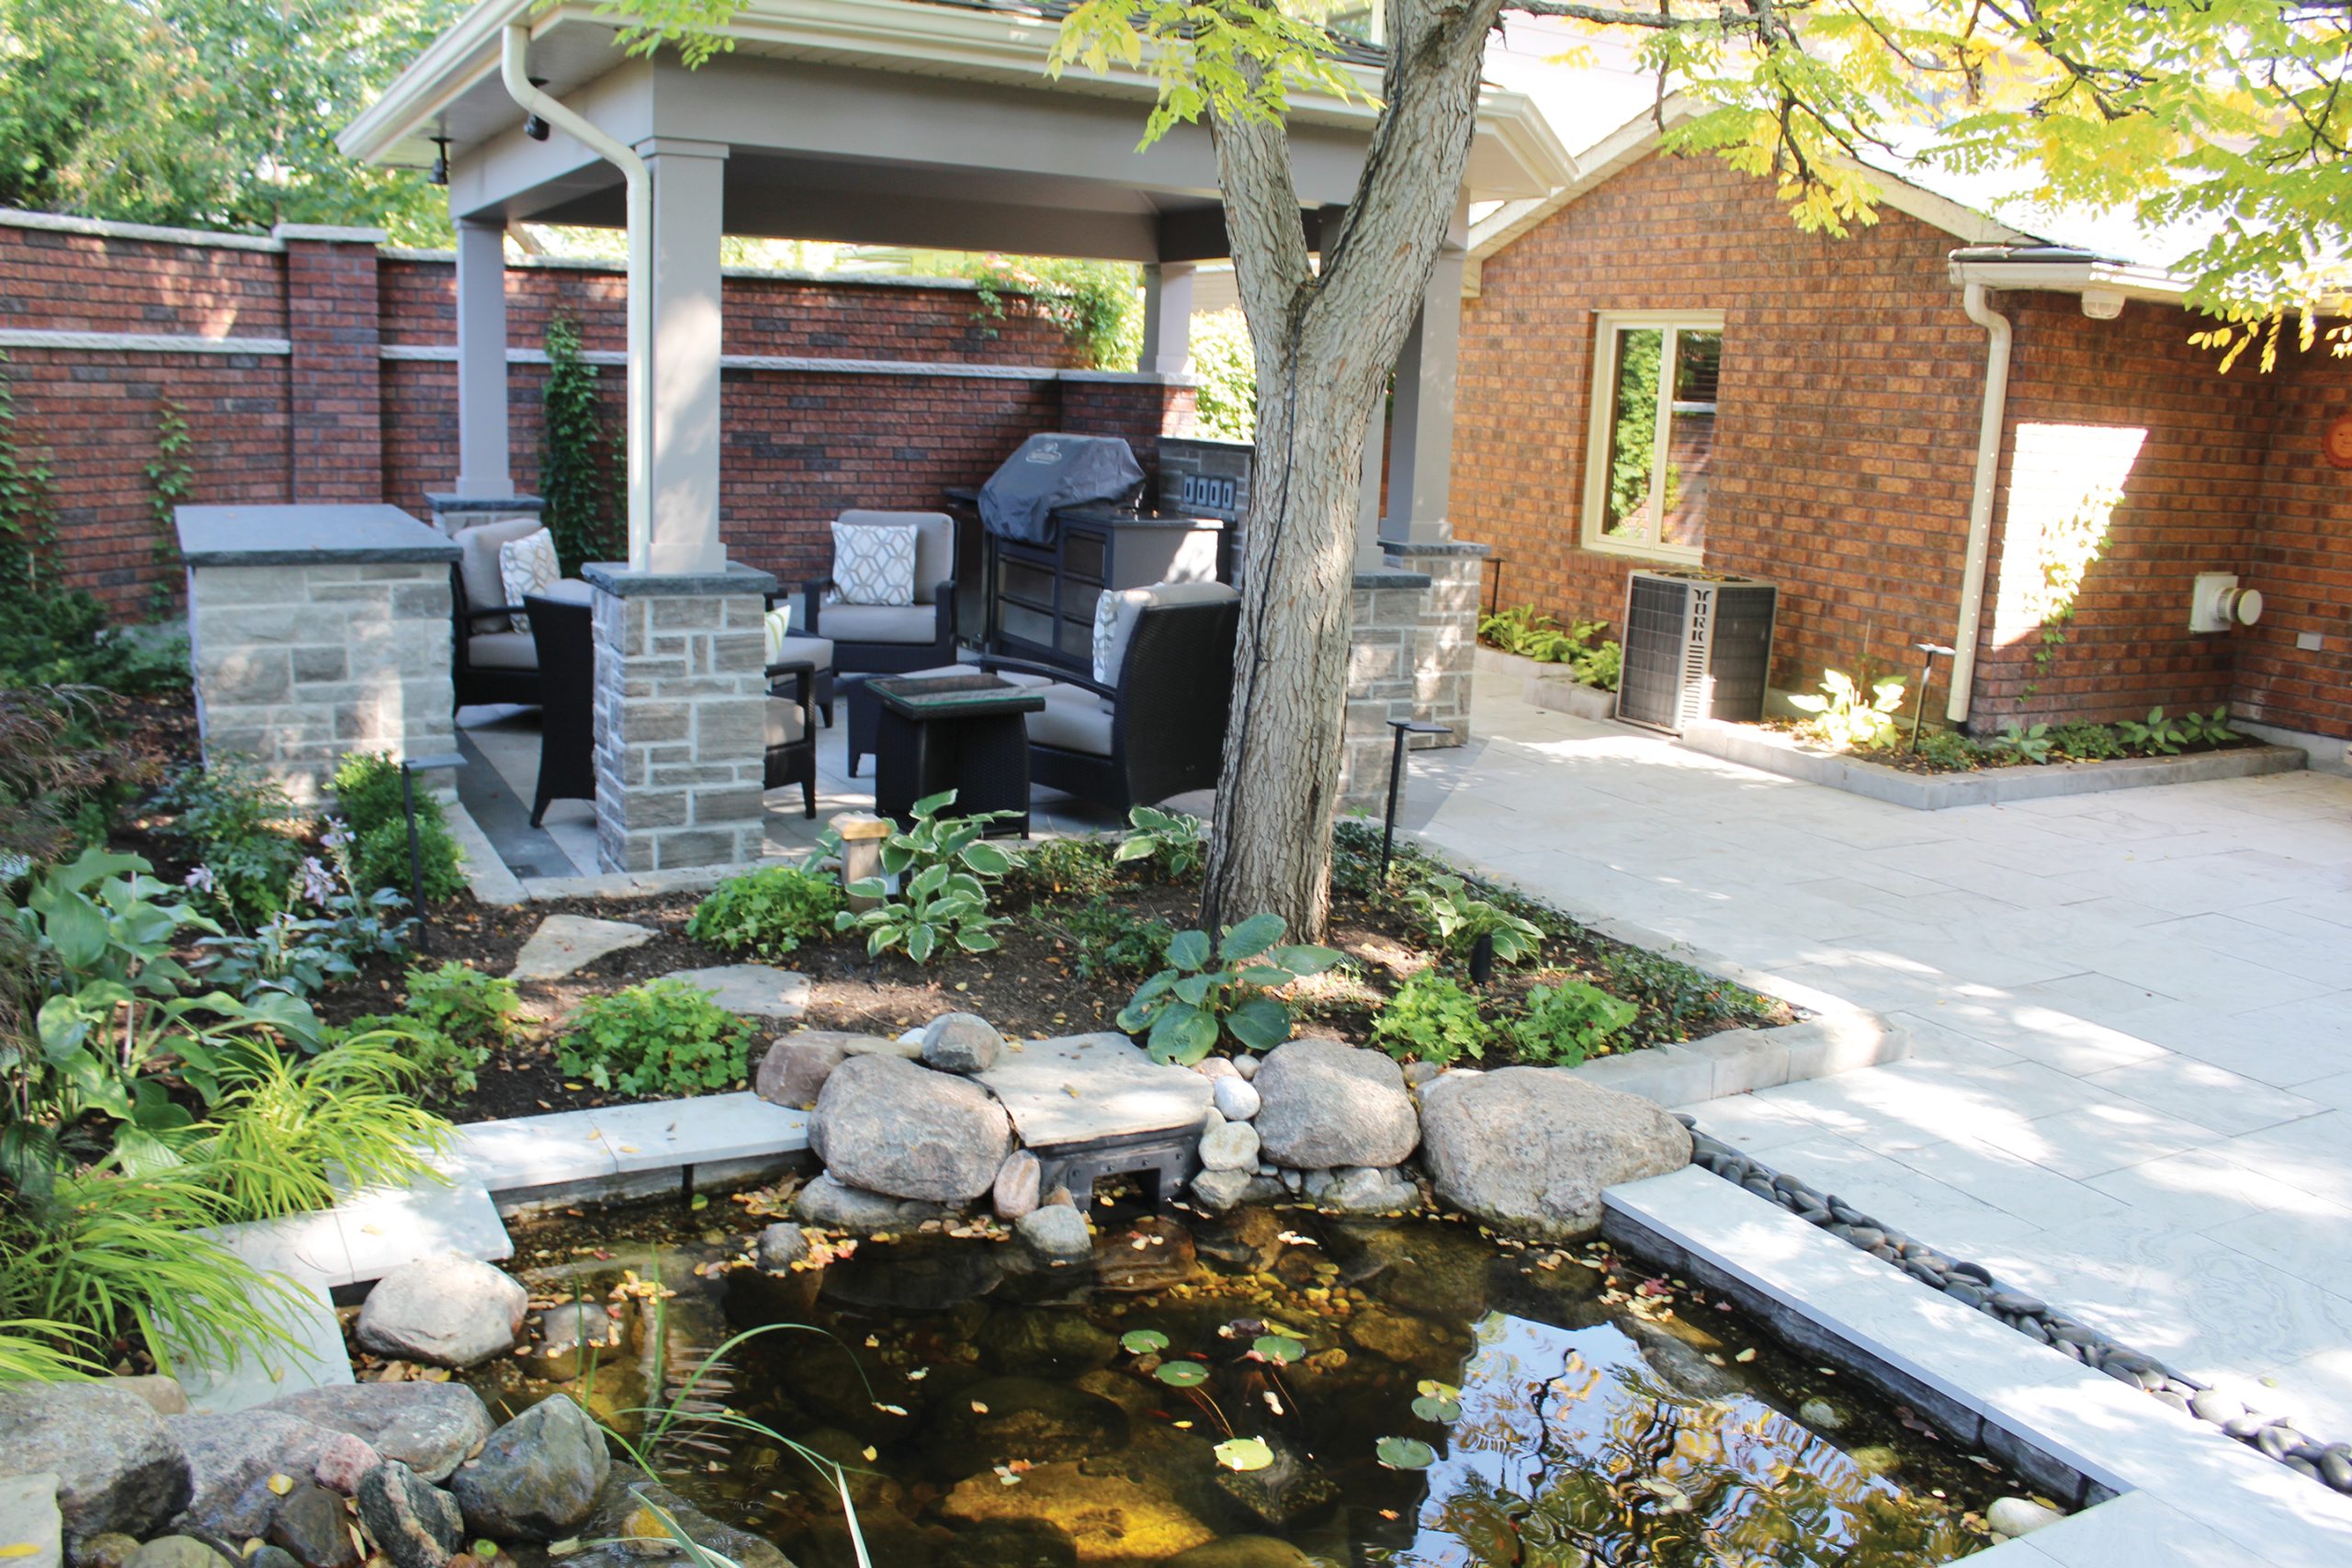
[564,943]
[1080,1088]
[751,991]
[2131,1015]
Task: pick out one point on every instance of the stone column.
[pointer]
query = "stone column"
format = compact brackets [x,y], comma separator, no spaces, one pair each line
[688,198]
[681,716]
[1167,318]
[1420,466]
[337,441]
[482,472]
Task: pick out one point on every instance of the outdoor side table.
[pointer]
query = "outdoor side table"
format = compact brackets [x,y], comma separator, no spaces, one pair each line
[959,732]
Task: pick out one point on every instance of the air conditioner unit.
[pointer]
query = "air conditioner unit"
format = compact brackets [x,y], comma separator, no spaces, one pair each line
[1698,645]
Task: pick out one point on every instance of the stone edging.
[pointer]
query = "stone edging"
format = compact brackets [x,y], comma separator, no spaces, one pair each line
[1772,752]
[1548,686]
[1973,1285]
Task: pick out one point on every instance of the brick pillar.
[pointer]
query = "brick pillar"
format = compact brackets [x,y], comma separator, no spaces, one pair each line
[681,717]
[337,436]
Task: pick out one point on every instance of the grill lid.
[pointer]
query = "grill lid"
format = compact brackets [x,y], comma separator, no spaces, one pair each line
[1054,470]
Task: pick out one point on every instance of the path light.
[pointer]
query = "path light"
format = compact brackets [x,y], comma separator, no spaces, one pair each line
[1403,726]
[415,846]
[1927,678]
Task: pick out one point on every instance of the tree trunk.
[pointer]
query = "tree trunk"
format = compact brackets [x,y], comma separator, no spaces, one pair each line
[1326,338]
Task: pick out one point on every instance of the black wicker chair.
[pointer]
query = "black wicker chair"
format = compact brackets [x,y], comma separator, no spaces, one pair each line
[818,650]
[792,731]
[565,635]
[473,682]
[920,635]
[1166,727]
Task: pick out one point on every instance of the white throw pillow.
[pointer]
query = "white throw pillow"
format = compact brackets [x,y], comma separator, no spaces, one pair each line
[1114,622]
[874,564]
[527,565]
[778,623]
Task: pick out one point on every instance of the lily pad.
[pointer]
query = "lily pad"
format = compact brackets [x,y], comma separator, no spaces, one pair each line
[1181,1374]
[1403,1453]
[1430,1388]
[1244,1453]
[1142,1341]
[1431,1408]
[1279,1348]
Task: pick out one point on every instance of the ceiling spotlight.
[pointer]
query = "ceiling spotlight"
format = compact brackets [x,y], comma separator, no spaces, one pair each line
[439,173]
[535,128]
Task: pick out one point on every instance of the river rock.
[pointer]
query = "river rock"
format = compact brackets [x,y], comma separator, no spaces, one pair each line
[1231,1145]
[414,1523]
[998,1420]
[231,1457]
[1040,1342]
[1364,1189]
[177,1551]
[447,1311]
[1326,1103]
[892,1127]
[780,1247]
[2015,1517]
[1217,1190]
[1018,1181]
[1529,1149]
[32,1535]
[163,1395]
[309,1523]
[563,1340]
[1056,1233]
[793,1071]
[117,1466]
[1235,1098]
[829,1205]
[539,1475]
[961,1043]
[1108,1518]
[113,1550]
[429,1427]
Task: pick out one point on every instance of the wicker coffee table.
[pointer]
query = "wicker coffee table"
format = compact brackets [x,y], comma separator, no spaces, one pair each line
[959,732]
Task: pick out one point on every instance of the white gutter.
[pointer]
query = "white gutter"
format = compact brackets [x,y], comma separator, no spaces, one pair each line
[1980,500]
[514,68]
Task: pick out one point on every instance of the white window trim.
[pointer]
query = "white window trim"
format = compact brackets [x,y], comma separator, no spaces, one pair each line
[1606,324]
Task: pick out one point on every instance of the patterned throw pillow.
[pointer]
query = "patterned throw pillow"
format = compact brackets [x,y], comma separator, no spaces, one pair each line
[874,564]
[527,565]
[779,622]
[1114,622]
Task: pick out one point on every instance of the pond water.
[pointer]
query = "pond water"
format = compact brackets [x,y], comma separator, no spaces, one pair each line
[1545,1407]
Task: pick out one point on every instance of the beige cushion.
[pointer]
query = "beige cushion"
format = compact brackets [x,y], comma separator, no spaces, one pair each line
[785,724]
[478,562]
[817,652]
[935,545]
[502,650]
[1116,611]
[1074,718]
[880,623]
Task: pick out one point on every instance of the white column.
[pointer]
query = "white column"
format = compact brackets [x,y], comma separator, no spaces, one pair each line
[482,472]
[1420,471]
[1167,317]
[683,357]
[1370,557]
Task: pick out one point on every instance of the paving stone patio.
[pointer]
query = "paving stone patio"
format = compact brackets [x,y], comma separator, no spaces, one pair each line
[2131,1079]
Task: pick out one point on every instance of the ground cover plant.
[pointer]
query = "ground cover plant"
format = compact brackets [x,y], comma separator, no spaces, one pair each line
[1874,726]
[1523,630]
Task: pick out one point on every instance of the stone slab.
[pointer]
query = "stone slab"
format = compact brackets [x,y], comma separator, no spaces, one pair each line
[660,1134]
[1079,1088]
[308,1248]
[305,533]
[384,1227]
[750,990]
[532,1151]
[616,579]
[565,944]
[31,1529]
[316,1360]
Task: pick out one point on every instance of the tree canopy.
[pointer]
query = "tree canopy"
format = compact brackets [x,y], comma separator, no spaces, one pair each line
[216,114]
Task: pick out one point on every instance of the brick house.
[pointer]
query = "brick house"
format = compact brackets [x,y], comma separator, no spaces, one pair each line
[1823,430]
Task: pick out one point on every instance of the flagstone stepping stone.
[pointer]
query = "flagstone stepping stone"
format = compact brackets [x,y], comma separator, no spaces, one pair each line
[564,943]
[750,990]
[1082,1088]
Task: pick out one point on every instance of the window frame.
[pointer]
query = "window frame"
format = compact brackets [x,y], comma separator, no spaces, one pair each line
[1608,328]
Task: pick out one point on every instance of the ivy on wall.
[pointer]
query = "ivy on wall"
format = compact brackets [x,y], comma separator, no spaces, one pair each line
[169,480]
[577,463]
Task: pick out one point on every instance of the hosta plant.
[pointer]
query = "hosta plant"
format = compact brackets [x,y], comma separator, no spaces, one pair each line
[1458,917]
[1175,845]
[939,909]
[1210,991]
[1844,717]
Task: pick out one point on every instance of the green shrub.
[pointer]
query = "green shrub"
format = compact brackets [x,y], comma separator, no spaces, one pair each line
[1047,868]
[1602,665]
[662,1037]
[243,832]
[280,1126]
[1171,845]
[2025,742]
[1108,939]
[2086,742]
[1455,919]
[942,900]
[1845,718]
[1948,750]
[1207,993]
[367,787]
[458,1001]
[444,1070]
[768,912]
[1431,1018]
[1223,358]
[1566,1023]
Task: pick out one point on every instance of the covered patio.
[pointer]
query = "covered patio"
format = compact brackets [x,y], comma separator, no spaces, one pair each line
[899,123]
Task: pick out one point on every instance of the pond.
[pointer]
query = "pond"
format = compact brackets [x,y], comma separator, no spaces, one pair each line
[1419,1394]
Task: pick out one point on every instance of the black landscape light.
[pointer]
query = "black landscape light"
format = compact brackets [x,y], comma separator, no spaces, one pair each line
[415,846]
[1926,676]
[1403,726]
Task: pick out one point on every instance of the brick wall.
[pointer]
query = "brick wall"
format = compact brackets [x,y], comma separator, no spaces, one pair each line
[337,419]
[1846,446]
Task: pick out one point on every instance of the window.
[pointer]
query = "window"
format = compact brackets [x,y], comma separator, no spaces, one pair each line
[1652,433]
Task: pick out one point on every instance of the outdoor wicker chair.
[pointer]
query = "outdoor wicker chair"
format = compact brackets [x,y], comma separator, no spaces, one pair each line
[792,730]
[892,639]
[492,662]
[564,633]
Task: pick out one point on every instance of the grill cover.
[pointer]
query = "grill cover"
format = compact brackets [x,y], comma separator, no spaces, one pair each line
[1048,472]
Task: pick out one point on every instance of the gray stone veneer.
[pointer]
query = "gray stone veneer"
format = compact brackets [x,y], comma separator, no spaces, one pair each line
[681,695]
[1416,636]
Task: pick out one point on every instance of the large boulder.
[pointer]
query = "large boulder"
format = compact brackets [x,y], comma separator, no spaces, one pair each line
[449,1312]
[539,1475]
[429,1427]
[412,1522]
[892,1127]
[1529,1149]
[231,1458]
[793,1071]
[117,1466]
[827,1205]
[1324,1103]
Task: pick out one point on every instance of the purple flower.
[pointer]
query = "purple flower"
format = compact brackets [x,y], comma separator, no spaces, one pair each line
[200,879]
[337,834]
[318,883]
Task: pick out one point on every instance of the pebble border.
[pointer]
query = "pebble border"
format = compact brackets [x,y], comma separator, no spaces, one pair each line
[1972,1284]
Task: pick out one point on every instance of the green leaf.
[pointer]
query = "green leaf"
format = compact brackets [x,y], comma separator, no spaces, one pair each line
[1261,1023]
[1403,1453]
[1305,959]
[987,859]
[1181,1374]
[1251,937]
[932,805]
[1136,848]
[1143,1341]
[1430,1408]
[1180,1035]
[1193,990]
[1244,1453]
[1189,951]
[1264,975]
[1279,1348]
[928,881]
[921,939]
[975,940]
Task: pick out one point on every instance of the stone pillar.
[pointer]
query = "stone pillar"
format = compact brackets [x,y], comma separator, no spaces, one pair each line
[681,716]
[1420,469]
[336,440]
[683,362]
[1167,318]
[317,631]
[1412,645]
[483,471]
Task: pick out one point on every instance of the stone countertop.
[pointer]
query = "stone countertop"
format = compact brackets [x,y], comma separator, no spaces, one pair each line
[1098,512]
[306,533]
